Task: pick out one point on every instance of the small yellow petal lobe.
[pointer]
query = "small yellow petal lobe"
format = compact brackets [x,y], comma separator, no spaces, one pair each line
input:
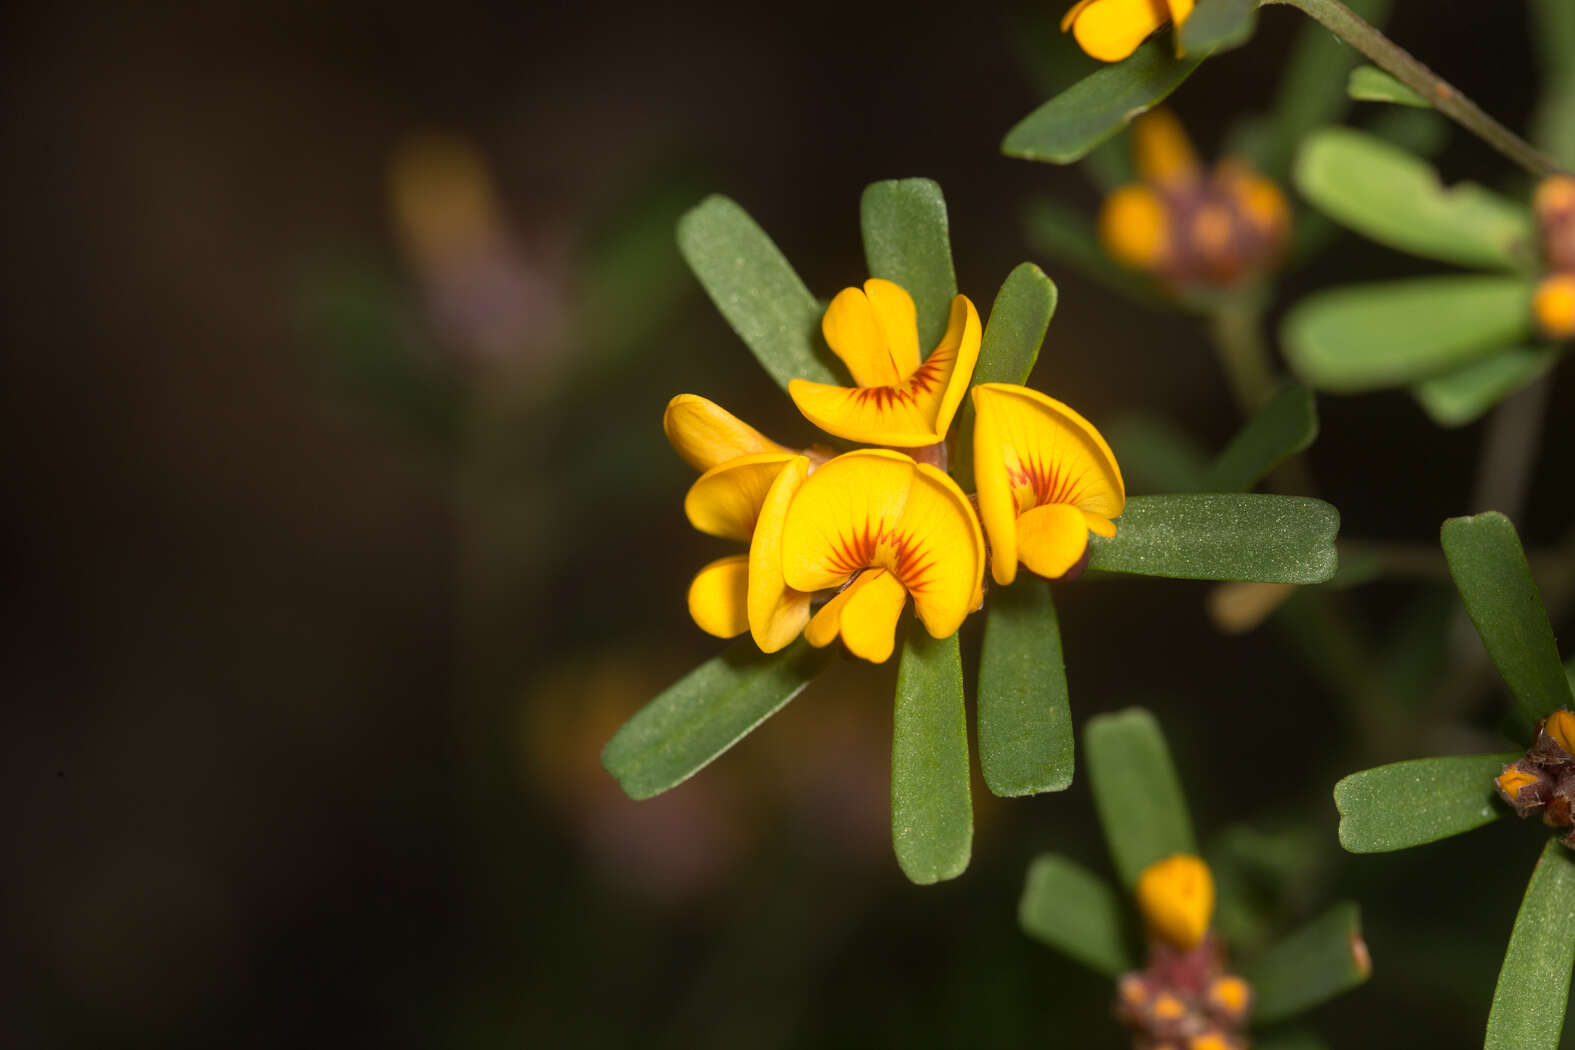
[1176,896]
[718,597]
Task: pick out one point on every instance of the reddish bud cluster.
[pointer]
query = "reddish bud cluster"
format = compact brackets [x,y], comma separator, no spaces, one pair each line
[1554,299]
[1184,1000]
[1545,778]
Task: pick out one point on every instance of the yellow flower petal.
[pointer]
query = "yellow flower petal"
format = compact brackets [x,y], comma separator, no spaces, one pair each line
[726,499]
[1553,305]
[854,334]
[869,620]
[705,434]
[717,597]
[1176,896]
[1110,30]
[1032,451]
[1161,150]
[914,412]
[840,515]
[777,613]
[940,558]
[826,624]
[1180,10]
[898,320]
[1051,539]
[1134,227]
[879,509]
[1071,15]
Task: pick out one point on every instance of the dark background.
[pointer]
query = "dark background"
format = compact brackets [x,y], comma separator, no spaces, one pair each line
[318,617]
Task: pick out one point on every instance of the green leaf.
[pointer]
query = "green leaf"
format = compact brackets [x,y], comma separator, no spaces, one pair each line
[1077,913]
[1458,397]
[1534,985]
[1370,336]
[1490,571]
[1405,804]
[1067,235]
[1136,792]
[1371,84]
[1010,346]
[1218,25]
[1294,1039]
[1392,197]
[1025,724]
[755,289]
[706,712]
[931,810]
[1072,123]
[1267,539]
[1313,964]
[906,241]
[1284,427]
[1553,123]
[1569,672]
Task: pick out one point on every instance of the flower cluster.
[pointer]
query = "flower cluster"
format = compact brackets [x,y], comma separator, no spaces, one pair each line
[858,534]
[1553,302]
[1545,778]
[1183,998]
[1187,227]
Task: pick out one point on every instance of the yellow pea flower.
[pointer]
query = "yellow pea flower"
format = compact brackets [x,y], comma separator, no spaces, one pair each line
[1187,226]
[1110,30]
[748,483]
[882,528]
[1176,896]
[899,401]
[1046,479]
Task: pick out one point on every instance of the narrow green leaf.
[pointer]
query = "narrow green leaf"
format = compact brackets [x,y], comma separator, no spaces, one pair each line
[1553,123]
[1534,984]
[1392,197]
[1136,792]
[1012,337]
[1313,964]
[1025,725]
[1460,396]
[1371,84]
[1072,123]
[1067,235]
[1490,571]
[1218,25]
[755,289]
[1405,804]
[704,713]
[1369,336]
[907,241]
[1077,913]
[1284,427]
[931,809]
[1267,539]
[1569,672]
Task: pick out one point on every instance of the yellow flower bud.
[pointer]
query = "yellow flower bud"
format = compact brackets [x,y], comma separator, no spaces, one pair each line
[1554,306]
[1133,226]
[1561,727]
[1230,995]
[1513,780]
[1176,896]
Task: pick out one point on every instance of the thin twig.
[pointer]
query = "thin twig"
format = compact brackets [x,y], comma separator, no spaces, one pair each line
[1404,67]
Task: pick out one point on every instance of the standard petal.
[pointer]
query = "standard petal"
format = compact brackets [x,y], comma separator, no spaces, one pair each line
[869,619]
[997,505]
[939,384]
[705,434]
[1051,539]
[938,551]
[717,597]
[777,613]
[1053,455]
[1162,152]
[883,415]
[1110,30]
[898,320]
[838,518]
[725,501]
[854,334]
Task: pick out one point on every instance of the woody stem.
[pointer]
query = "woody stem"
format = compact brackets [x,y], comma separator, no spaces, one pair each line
[1404,67]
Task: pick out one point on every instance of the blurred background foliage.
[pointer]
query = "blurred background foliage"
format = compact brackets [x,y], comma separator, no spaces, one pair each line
[343,534]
